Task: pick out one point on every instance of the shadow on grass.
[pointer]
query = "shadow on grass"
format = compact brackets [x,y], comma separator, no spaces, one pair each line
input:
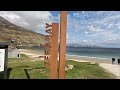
[1,75]
[8,72]
[28,77]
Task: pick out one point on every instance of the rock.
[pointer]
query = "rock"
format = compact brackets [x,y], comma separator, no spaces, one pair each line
[70,66]
[92,63]
[66,68]
[43,72]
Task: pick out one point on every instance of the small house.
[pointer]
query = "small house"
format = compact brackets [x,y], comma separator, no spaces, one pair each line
[13,52]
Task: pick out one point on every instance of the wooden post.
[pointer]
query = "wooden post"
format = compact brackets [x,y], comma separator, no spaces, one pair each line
[63,24]
[48,44]
[54,52]
[46,58]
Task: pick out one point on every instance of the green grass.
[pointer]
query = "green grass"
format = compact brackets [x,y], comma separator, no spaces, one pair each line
[35,69]
[23,68]
[83,70]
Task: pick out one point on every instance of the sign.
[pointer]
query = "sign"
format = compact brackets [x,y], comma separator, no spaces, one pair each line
[48,44]
[2,59]
[52,47]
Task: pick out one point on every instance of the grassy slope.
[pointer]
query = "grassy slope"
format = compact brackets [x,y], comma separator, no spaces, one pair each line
[83,70]
[19,35]
[36,70]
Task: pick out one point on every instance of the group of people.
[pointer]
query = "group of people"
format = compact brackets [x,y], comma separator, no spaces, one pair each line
[113,60]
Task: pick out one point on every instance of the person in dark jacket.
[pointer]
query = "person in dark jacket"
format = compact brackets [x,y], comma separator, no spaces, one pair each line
[118,61]
[113,60]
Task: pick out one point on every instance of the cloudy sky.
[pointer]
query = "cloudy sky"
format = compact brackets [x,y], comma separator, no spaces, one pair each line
[101,28]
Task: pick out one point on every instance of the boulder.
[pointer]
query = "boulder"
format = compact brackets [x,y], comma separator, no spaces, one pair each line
[92,63]
[70,66]
[66,68]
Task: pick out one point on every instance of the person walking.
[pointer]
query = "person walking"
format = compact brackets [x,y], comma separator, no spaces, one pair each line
[113,60]
[118,61]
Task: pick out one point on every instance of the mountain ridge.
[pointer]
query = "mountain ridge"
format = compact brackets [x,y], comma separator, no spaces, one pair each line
[19,36]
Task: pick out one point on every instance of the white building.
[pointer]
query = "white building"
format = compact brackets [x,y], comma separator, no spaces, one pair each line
[13,53]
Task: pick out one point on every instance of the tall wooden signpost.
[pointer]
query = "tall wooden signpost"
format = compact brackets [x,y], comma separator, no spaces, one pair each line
[63,24]
[48,44]
[54,52]
[52,47]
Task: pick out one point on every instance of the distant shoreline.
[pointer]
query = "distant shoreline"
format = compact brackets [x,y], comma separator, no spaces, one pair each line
[90,59]
[35,53]
[86,56]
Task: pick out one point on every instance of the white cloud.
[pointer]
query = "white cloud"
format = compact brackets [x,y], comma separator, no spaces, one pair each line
[105,29]
[34,20]
[95,29]
[110,25]
[117,25]
[86,32]
[87,42]
[108,20]
[73,37]
[73,24]
[77,14]
[83,12]
[114,41]
[68,36]
[73,41]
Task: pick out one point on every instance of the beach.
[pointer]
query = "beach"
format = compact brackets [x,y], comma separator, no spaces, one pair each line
[104,63]
[32,54]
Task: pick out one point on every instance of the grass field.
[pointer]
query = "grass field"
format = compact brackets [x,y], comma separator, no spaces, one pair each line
[24,68]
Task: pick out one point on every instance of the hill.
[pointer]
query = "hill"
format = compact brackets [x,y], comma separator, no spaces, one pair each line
[19,36]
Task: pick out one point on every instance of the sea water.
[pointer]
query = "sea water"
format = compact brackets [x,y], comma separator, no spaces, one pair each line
[99,53]
[88,52]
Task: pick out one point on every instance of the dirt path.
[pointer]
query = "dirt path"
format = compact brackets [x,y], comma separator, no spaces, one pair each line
[113,68]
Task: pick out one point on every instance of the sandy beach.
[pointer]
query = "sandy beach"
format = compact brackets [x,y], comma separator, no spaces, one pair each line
[106,64]
[32,54]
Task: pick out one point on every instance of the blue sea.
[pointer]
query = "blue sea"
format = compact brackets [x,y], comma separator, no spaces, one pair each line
[100,53]
[88,52]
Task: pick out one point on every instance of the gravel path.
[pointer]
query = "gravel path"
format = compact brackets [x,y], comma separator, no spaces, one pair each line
[113,68]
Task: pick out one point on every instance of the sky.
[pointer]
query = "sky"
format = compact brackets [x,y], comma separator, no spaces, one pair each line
[100,28]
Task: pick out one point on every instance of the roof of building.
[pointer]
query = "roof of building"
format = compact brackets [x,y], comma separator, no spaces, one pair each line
[12,49]
[4,43]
